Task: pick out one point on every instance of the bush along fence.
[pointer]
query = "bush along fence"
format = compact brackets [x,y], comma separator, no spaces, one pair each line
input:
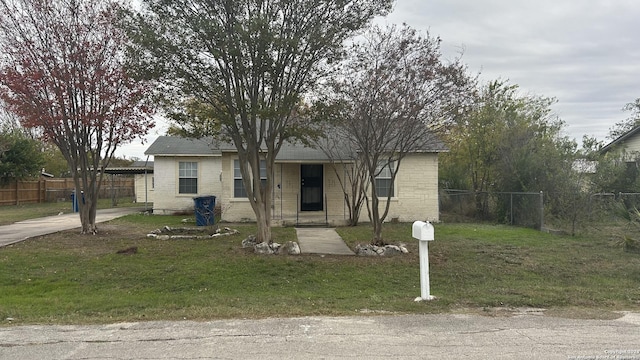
[515,208]
[56,190]
[537,210]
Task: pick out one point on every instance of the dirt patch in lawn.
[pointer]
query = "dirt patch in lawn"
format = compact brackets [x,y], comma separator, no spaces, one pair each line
[110,238]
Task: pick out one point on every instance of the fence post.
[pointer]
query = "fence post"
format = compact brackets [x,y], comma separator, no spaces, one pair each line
[113,191]
[541,211]
[511,209]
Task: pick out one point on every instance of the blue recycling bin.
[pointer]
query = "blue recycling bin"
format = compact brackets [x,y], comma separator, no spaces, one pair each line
[74,201]
[204,208]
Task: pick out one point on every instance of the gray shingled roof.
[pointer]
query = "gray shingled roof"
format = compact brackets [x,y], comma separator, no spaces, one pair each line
[142,164]
[434,144]
[298,152]
[137,167]
[179,146]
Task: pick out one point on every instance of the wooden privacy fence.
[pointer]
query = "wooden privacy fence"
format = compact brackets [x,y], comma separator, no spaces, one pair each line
[54,190]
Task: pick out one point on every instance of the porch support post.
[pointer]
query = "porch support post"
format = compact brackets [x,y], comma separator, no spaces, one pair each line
[326,210]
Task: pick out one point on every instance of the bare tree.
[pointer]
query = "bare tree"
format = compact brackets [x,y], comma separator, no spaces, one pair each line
[396,93]
[62,72]
[252,62]
[8,120]
[624,126]
[351,173]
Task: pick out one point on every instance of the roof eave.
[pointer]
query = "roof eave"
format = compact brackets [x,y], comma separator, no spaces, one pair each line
[619,140]
[185,155]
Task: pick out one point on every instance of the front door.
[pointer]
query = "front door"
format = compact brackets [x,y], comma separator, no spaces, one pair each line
[311,187]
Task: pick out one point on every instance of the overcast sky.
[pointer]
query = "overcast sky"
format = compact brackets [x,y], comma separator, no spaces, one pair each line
[584,53]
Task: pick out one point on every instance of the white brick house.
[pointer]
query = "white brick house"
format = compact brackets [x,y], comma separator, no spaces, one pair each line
[306,185]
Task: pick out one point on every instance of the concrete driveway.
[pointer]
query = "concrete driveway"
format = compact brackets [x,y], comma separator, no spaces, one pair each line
[23,230]
[449,336]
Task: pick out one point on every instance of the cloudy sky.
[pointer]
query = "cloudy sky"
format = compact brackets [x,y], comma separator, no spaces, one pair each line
[584,53]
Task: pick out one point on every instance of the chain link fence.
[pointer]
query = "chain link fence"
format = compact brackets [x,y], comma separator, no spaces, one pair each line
[514,208]
[537,210]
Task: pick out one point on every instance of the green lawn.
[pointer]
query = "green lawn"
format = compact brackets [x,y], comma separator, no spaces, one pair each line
[70,278]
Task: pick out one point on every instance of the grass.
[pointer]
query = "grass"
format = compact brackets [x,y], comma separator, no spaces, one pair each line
[12,213]
[71,278]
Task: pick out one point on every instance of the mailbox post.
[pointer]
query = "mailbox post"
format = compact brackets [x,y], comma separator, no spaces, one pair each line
[423,231]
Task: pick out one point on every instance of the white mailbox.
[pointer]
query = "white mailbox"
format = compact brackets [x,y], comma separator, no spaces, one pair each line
[423,231]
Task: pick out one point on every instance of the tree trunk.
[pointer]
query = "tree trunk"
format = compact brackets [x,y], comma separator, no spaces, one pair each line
[264,229]
[377,235]
[263,220]
[263,198]
[88,221]
[87,208]
[87,198]
[351,183]
[358,191]
[376,221]
[480,208]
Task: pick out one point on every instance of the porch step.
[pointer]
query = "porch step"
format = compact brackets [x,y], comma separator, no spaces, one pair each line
[312,221]
[305,224]
[312,225]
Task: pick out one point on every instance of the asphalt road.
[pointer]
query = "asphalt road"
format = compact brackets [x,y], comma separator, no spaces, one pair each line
[450,336]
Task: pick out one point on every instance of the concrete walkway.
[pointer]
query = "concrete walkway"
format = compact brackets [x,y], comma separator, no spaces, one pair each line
[22,230]
[321,241]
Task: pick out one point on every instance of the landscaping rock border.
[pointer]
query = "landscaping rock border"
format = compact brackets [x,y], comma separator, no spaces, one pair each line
[288,248]
[387,250]
[169,233]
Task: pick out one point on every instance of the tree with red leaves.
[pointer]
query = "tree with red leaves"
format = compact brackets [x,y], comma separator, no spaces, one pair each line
[62,71]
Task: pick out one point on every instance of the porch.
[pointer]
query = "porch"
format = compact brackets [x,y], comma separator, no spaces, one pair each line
[308,194]
[311,219]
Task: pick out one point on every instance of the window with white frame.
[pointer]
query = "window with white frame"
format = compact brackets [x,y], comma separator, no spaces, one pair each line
[238,186]
[384,183]
[187,177]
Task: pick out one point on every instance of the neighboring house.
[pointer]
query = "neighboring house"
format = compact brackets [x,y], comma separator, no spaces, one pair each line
[626,148]
[629,143]
[306,186]
[584,166]
[143,178]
